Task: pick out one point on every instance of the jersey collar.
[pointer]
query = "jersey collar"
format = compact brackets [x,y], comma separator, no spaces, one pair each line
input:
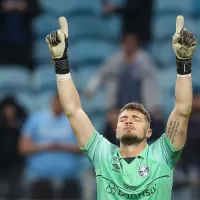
[141,155]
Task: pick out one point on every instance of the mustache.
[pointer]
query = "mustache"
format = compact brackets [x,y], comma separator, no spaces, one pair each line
[129,126]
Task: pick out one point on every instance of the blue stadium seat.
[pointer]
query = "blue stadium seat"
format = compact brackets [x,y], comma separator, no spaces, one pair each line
[181,6]
[70,6]
[114,24]
[97,28]
[44,78]
[88,7]
[95,104]
[89,51]
[28,100]
[44,25]
[162,53]
[14,78]
[41,52]
[44,99]
[98,120]
[164,26]
[52,6]
[83,75]
[167,79]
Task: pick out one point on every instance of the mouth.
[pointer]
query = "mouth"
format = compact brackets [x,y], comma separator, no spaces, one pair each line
[129,128]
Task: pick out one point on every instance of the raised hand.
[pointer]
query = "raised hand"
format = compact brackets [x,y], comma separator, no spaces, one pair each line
[183,41]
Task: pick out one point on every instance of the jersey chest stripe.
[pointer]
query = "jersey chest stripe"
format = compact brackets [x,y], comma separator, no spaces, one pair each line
[138,190]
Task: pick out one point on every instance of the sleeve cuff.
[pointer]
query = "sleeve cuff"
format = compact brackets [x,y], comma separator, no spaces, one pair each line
[90,142]
[170,145]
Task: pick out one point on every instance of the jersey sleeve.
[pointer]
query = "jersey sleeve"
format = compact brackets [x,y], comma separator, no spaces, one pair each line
[98,148]
[163,151]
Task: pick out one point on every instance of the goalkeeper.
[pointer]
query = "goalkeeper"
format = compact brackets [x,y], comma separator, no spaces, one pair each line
[135,170]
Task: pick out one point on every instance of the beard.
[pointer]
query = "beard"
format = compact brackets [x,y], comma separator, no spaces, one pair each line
[131,139]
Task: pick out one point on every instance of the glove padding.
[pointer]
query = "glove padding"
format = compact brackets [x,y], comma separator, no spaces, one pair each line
[183,42]
[58,43]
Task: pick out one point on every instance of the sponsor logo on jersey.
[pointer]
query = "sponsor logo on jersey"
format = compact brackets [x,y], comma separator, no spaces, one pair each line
[115,168]
[116,159]
[114,190]
[129,187]
[144,171]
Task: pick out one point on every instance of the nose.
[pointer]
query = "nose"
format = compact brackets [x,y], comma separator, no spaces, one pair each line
[129,122]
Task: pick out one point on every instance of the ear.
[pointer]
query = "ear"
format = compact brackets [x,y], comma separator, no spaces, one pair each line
[149,133]
[116,133]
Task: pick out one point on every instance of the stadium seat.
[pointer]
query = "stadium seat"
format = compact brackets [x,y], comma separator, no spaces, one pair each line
[14,78]
[44,99]
[98,28]
[41,52]
[69,7]
[88,7]
[57,7]
[44,25]
[83,75]
[95,104]
[162,53]
[164,26]
[166,81]
[179,6]
[89,51]
[114,24]
[28,100]
[44,78]
[98,120]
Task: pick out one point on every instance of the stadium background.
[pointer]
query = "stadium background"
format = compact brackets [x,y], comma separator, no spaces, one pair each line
[93,37]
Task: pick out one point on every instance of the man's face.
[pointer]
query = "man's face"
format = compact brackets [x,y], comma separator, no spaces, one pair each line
[129,44]
[132,128]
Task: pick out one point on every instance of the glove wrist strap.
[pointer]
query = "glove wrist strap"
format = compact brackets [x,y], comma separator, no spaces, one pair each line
[61,65]
[183,67]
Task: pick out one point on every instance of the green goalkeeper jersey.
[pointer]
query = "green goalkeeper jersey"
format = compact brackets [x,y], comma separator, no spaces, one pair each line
[148,177]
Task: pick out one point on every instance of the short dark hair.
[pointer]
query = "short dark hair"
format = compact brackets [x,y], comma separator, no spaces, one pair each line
[136,106]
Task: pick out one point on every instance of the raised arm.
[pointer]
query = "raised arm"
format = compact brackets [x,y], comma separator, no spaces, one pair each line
[69,98]
[183,44]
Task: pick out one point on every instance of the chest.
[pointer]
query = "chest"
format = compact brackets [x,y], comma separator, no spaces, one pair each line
[136,176]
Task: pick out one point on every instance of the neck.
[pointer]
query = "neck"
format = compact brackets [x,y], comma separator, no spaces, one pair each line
[132,150]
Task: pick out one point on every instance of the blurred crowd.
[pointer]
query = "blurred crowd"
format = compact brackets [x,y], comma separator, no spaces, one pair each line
[121,57]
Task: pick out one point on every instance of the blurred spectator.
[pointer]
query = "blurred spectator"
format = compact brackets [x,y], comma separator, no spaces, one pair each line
[157,123]
[12,117]
[190,165]
[131,69]
[191,156]
[52,154]
[16,37]
[111,125]
[136,17]
[184,181]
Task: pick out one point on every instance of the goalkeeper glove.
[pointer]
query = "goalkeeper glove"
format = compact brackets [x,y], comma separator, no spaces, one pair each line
[58,43]
[183,44]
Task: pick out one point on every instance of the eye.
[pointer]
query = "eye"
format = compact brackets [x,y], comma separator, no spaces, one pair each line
[138,120]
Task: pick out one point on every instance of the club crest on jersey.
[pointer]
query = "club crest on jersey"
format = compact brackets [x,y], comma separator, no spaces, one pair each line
[144,171]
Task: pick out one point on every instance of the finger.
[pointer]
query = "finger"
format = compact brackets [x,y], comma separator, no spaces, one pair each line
[61,35]
[176,38]
[179,23]
[63,25]
[47,40]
